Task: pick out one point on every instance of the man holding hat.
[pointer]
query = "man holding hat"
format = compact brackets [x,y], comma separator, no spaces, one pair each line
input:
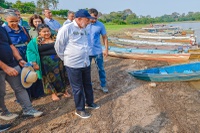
[72,47]
[10,72]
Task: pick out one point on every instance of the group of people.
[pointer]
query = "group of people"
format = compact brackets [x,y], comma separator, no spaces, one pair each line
[60,55]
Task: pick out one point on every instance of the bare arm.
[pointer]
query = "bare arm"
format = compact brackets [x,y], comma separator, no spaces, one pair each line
[105,42]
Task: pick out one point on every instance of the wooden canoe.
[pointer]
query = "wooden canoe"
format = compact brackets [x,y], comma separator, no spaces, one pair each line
[171,56]
[160,29]
[139,42]
[149,46]
[195,53]
[178,40]
[164,37]
[181,72]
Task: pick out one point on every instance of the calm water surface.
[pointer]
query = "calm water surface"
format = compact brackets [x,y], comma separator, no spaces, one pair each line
[186,25]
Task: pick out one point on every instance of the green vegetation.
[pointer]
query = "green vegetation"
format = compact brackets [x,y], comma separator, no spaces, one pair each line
[114,29]
[120,27]
[25,7]
[5,4]
[61,13]
[126,17]
[47,4]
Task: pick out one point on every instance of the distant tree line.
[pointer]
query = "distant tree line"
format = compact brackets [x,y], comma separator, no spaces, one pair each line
[5,4]
[120,17]
[128,17]
[25,7]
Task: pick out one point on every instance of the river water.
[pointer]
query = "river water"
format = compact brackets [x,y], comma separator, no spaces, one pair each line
[187,25]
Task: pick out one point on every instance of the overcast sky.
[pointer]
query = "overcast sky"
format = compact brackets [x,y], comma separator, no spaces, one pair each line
[140,7]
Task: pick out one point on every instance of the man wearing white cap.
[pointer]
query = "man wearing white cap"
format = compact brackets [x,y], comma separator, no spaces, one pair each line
[10,72]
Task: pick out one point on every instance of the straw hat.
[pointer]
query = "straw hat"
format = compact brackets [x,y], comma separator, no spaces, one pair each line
[28,76]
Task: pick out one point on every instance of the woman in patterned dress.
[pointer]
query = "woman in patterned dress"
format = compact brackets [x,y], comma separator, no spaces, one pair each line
[49,67]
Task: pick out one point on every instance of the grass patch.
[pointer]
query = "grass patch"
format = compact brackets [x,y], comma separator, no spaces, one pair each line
[114,29]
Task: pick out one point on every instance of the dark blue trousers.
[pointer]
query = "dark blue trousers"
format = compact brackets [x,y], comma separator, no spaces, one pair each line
[36,90]
[80,81]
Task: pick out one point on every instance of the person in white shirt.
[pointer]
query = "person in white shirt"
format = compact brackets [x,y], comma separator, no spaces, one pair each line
[70,17]
[72,47]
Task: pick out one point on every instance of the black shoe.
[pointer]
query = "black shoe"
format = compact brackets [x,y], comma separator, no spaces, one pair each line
[93,106]
[5,127]
[82,114]
[7,115]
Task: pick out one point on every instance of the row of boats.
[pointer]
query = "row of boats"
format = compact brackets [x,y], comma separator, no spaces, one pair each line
[159,51]
[184,55]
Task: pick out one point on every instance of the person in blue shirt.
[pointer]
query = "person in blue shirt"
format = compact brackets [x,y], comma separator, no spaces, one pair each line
[10,62]
[20,38]
[18,35]
[21,21]
[52,23]
[96,29]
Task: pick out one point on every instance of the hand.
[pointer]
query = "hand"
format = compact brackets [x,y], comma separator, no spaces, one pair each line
[105,53]
[22,63]
[35,66]
[10,71]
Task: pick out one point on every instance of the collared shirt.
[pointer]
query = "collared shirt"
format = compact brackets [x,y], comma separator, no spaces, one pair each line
[67,22]
[6,54]
[20,22]
[53,24]
[95,30]
[72,46]
[33,33]
[24,24]
[17,37]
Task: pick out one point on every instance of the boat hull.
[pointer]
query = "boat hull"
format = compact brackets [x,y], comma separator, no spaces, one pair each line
[168,78]
[171,58]
[183,72]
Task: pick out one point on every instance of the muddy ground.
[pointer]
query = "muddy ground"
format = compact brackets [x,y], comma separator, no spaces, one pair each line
[131,106]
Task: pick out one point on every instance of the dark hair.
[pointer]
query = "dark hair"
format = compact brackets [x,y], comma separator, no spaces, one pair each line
[35,16]
[70,12]
[42,26]
[16,10]
[45,10]
[93,11]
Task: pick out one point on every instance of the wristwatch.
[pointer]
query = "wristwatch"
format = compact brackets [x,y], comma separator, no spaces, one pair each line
[20,60]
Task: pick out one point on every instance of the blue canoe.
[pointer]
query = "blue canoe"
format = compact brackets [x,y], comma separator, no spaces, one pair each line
[182,72]
[141,51]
